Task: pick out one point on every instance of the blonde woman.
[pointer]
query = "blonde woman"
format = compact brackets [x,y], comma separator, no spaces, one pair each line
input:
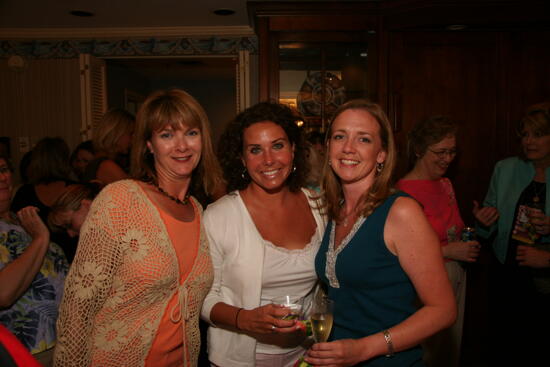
[111,142]
[378,253]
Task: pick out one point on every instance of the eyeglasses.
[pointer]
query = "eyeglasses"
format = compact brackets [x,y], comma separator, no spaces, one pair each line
[444,152]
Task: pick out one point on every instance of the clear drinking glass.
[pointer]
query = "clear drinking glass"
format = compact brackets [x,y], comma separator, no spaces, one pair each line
[321,318]
[292,302]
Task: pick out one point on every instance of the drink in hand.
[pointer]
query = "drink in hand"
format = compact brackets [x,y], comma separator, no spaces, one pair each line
[293,303]
[321,318]
[321,324]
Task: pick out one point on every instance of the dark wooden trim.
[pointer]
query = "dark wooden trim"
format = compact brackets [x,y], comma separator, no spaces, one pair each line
[264,64]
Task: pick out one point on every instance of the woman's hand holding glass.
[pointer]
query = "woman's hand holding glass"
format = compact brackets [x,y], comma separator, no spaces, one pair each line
[267,319]
[462,251]
[343,352]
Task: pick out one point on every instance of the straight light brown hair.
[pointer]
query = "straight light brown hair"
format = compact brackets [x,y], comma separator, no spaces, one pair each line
[382,185]
[177,109]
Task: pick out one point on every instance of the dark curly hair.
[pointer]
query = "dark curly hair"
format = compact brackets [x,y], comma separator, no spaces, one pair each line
[230,147]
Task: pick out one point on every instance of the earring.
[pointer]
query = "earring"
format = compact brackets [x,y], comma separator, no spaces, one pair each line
[243,175]
[293,168]
[379,167]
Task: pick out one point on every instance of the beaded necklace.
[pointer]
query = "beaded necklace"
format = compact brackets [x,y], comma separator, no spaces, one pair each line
[185,200]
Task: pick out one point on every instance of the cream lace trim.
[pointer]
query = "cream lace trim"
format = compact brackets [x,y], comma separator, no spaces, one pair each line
[332,254]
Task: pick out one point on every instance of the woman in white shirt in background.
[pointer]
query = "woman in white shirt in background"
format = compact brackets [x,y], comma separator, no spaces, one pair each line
[264,235]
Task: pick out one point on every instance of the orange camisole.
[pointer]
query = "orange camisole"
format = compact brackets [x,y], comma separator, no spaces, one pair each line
[167,349]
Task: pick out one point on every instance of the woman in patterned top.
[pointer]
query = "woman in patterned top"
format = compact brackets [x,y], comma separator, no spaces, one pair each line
[32,273]
[143,268]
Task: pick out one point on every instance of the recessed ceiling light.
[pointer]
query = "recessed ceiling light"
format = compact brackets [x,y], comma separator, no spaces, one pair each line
[224,12]
[456,27]
[81,13]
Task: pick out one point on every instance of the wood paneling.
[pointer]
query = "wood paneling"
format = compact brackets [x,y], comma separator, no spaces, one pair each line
[41,100]
[484,80]
[438,73]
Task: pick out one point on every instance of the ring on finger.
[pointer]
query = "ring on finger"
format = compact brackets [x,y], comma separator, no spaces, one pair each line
[273,327]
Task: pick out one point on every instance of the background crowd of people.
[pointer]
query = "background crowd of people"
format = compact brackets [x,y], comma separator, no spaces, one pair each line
[106,256]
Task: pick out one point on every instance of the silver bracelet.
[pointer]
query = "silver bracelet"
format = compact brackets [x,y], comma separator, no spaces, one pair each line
[389,342]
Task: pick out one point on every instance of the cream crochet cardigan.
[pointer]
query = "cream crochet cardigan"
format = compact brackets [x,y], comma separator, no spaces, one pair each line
[124,273]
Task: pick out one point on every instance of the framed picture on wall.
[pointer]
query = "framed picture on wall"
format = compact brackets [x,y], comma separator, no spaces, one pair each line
[132,101]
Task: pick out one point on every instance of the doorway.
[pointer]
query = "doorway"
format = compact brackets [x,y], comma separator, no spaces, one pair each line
[211,80]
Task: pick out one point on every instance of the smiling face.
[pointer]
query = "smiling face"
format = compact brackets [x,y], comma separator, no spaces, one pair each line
[437,158]
[536,145]
[267,155]
[177,152]
[355,147]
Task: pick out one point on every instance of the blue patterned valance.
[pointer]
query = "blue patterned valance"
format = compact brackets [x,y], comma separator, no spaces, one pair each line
[129,47]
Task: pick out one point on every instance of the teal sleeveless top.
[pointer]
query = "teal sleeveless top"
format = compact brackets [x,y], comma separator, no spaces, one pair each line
[370,290]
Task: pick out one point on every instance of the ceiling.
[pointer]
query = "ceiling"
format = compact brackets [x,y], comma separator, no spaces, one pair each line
[120,13]
[124,13]
[41,18]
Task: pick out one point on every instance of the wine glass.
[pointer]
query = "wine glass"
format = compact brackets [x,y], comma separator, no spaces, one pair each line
[294,303]
[321,318]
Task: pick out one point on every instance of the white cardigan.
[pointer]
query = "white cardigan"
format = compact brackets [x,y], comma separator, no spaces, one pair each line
[238,264]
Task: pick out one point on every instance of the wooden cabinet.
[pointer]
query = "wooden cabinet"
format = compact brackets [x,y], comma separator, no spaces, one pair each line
[315,59]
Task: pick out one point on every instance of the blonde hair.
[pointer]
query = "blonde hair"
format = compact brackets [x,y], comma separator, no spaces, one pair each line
[71,199]
[537,117]
[174,108]
[382,185]
[114,124]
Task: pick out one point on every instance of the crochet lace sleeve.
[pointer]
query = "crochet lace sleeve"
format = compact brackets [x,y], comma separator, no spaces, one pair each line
[89,281]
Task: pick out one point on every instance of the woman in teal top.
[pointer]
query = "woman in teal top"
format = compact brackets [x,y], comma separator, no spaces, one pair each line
[379,253]
[514,217]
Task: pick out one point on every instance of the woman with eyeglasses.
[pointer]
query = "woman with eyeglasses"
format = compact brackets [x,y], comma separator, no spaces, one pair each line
[431,149]
[514,216]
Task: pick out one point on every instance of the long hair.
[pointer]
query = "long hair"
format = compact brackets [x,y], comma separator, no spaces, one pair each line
[113,125]
[382,185]
[71,199]
[230,147]
[177,109]
[49,161]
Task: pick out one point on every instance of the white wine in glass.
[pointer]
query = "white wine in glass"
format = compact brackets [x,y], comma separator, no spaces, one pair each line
[321,319]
